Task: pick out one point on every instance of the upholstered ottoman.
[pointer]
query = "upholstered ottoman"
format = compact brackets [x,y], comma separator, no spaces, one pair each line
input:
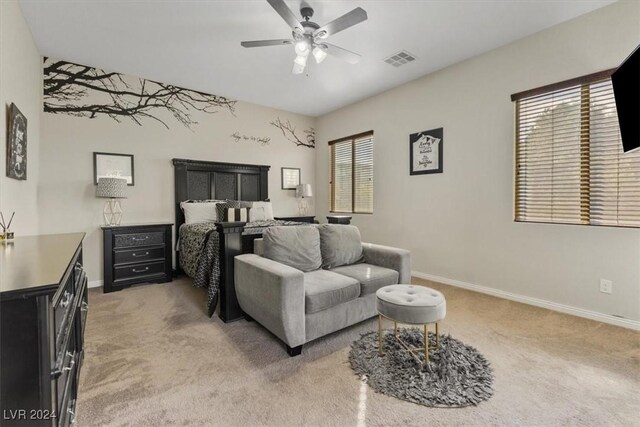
[414,305]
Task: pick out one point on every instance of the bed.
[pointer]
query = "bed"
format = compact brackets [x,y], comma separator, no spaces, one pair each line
[205,251]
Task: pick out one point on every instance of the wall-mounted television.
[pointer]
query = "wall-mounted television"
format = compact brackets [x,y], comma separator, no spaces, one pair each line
[626,89]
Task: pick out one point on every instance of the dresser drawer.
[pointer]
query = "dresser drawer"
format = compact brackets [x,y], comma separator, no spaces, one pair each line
[67,374]
[63,311]
[67,308]
[67,395]
[138,239]
[126,256]
[138,270]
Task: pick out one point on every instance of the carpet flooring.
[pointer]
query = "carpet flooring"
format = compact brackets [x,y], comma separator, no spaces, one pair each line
[154,358]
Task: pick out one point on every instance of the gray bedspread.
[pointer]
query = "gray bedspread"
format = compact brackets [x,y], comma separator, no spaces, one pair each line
[198,249]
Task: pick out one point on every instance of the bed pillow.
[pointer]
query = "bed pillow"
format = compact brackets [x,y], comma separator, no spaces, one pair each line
[295,246]
[257,214]
[340,245]
[268,209]
[195,212]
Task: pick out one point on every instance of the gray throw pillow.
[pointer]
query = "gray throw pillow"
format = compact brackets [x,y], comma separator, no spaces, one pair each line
[340,245]
[296,246]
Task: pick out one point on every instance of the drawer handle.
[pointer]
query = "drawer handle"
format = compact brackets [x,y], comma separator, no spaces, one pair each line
[66,299]
[140,271]
[137,255]
[140,239]
[68,368]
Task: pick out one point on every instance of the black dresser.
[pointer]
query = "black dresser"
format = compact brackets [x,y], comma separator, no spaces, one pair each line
[310,219]
[136,254]
[43,309]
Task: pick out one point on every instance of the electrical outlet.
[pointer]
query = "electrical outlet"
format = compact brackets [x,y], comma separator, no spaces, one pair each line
[606,286]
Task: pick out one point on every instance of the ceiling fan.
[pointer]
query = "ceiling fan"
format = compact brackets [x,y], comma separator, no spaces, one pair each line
[309,37]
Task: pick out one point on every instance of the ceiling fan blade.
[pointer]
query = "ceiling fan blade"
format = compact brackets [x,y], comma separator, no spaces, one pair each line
[283,10]
[344,54]
[261,43]
[347,20]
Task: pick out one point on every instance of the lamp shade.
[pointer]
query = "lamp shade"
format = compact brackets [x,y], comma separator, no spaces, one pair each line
[111,188]
[304,190]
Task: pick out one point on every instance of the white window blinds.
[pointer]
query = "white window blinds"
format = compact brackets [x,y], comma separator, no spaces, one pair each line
[352,174]
[570,167]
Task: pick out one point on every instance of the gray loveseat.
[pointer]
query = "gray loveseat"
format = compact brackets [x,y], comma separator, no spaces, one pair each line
[305,282]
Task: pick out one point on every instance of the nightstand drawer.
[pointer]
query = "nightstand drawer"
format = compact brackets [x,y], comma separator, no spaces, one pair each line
[127,256]
[138,270]
[138,239]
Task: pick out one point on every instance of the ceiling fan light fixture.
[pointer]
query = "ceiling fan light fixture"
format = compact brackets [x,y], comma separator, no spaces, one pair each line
[302,48]
[309,37]
[300,60]
[299,64]
[321,35]
[297,69]
[319,53]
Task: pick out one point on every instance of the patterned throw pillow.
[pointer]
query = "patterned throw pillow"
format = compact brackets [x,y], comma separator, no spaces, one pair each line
[236,214]
[224,210]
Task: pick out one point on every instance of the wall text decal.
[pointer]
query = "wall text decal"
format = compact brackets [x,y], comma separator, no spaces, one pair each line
[262,140]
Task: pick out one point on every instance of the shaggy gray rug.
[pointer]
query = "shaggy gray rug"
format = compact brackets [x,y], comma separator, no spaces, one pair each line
[457,374]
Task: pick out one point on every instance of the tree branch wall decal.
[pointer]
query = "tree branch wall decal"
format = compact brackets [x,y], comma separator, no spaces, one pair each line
[289,132]
[67,87]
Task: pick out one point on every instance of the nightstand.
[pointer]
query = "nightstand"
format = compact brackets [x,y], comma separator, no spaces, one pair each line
[339,219]
[309,219]
[138,253]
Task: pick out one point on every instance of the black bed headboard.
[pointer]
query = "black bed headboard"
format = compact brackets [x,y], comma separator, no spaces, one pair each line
[201,180]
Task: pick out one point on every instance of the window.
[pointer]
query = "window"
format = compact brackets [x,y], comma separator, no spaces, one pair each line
[570,167]
[352,174]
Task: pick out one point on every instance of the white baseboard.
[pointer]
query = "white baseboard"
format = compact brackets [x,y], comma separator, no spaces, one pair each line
[95,284]
[580,312]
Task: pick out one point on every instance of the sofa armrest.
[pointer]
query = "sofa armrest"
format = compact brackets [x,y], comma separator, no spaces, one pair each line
[273,294]
[388,257]
[258,246]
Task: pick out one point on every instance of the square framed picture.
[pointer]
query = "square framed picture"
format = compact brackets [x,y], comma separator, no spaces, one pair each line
[425,152]
[17,144]
[110,165]
[290,178]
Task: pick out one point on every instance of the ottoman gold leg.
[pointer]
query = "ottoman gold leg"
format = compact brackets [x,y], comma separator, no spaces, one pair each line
[380,352]
[426,344]
[437,336]
[395,328]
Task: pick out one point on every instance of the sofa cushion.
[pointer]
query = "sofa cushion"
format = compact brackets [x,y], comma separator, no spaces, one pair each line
[295,246]
[371,277]
[324,289]
[339,245]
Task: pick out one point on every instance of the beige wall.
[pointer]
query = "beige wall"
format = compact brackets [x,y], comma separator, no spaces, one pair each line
[459,224]
[67,199]
[20,83]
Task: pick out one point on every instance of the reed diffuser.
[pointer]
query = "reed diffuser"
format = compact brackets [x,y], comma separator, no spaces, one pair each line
[7,234]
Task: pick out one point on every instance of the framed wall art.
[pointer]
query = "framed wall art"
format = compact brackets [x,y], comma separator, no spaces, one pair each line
[425,152]
[16,144]
[290,178]
[113,165]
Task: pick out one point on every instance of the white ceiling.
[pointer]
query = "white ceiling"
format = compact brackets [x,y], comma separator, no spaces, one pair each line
[196,44]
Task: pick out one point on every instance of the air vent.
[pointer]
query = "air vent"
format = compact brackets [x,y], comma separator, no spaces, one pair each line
[400,58]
